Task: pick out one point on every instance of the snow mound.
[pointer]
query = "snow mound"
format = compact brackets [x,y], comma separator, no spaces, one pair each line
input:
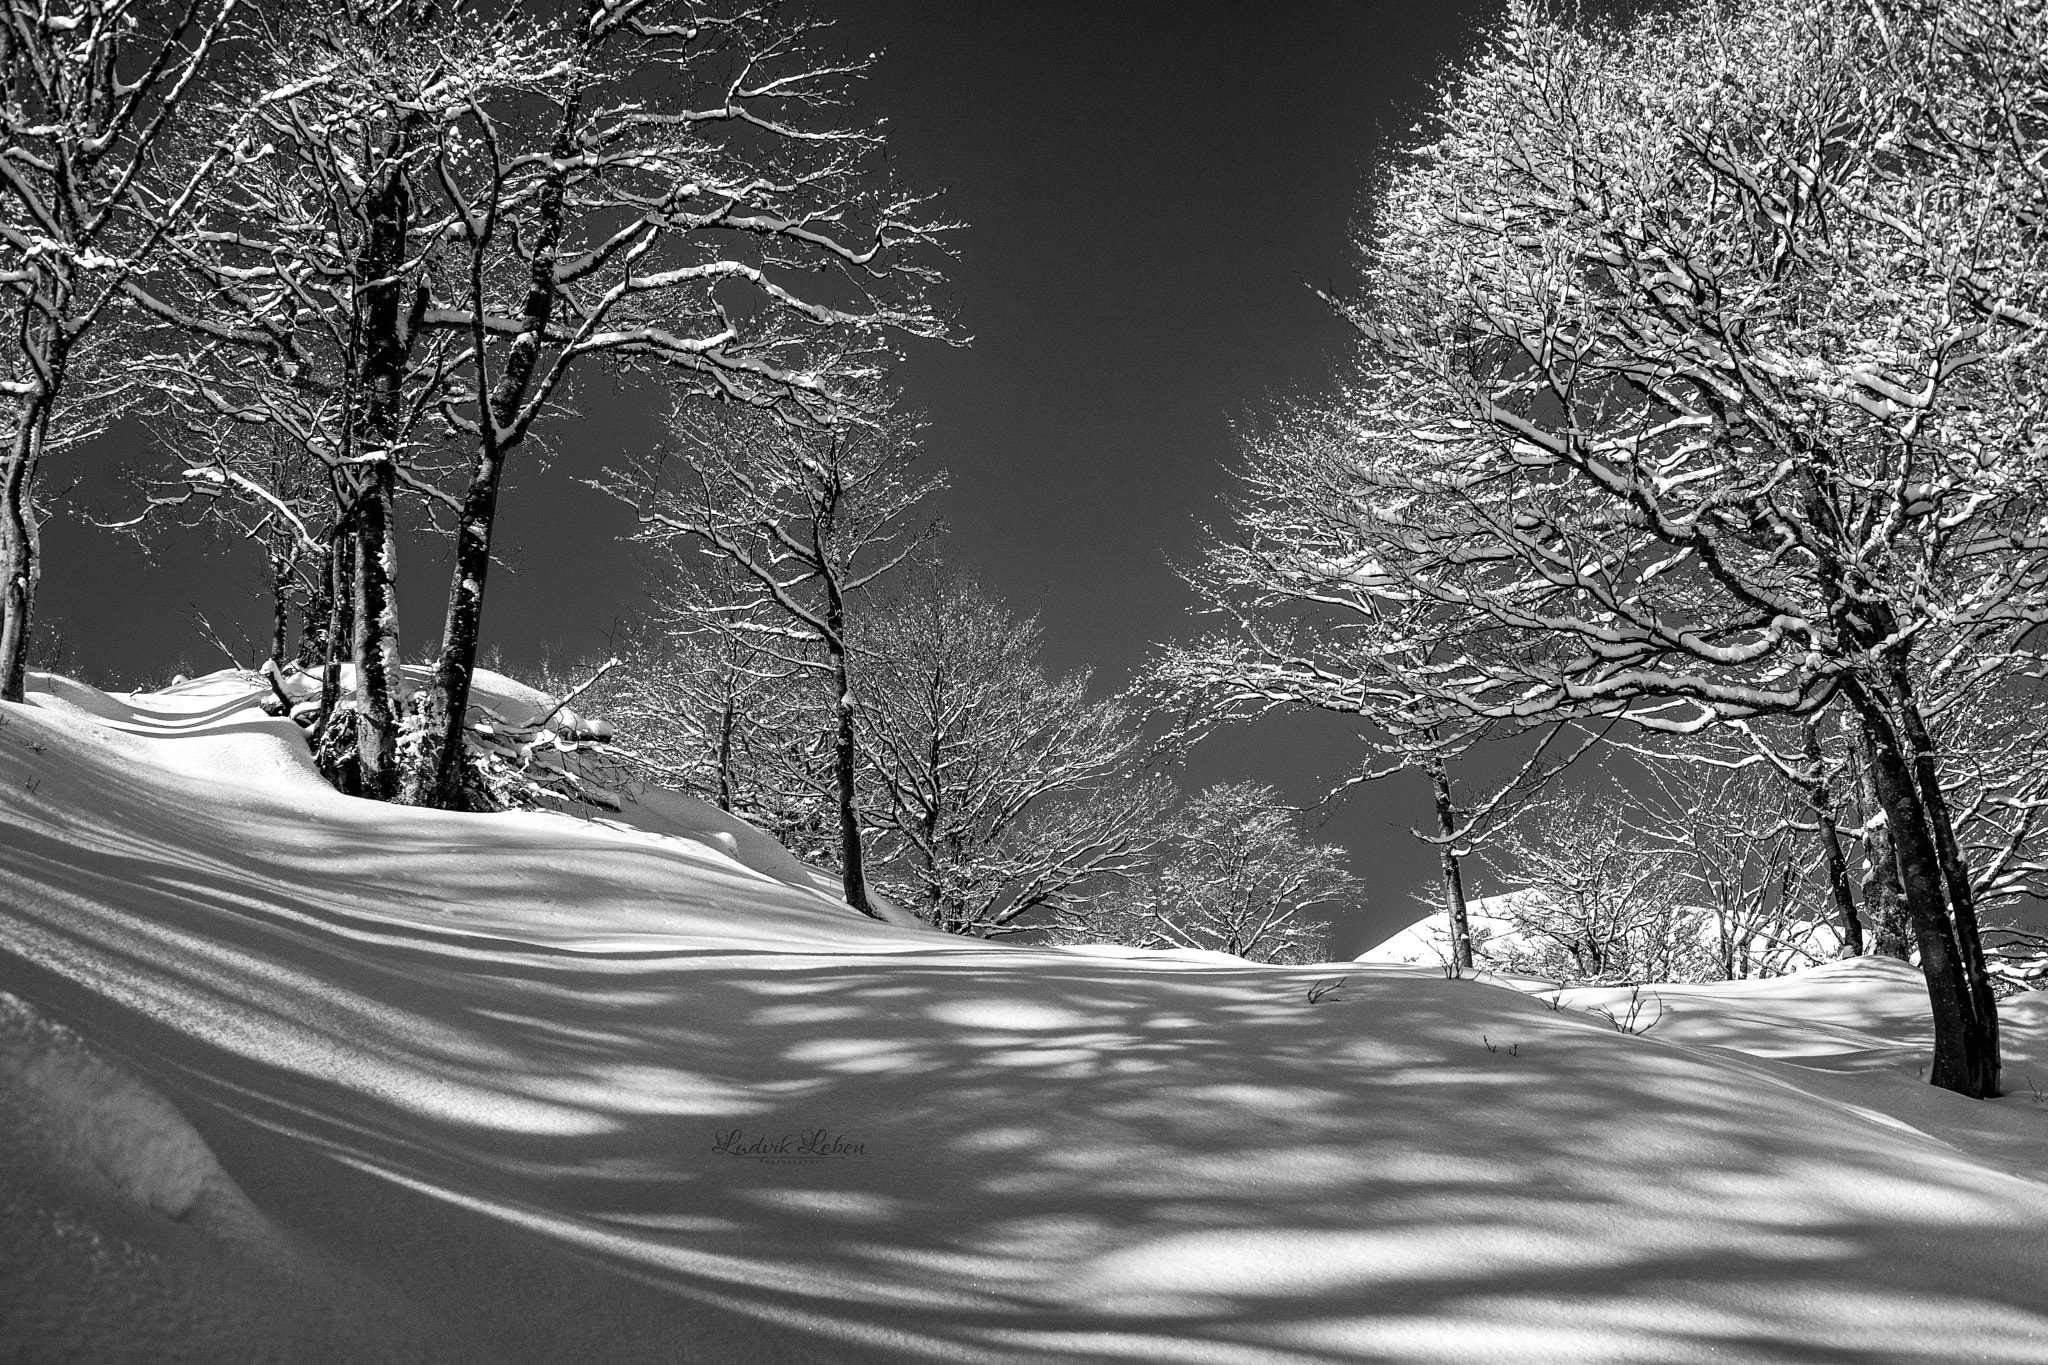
[587,1091]
[124,1239]
[70,1111]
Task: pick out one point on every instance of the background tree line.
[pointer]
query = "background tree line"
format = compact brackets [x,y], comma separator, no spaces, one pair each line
[347,259]
[810,665]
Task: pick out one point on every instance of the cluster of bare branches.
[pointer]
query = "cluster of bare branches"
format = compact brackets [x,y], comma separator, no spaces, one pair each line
[362,265]
[795,524]
[1001,793]
[808,667]
[1710,875]
[876,714]
[1699,384]
[90,193]
[1238,875]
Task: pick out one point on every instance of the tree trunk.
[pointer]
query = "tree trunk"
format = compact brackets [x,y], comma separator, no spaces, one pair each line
[1454,881]
[1882,900]
[21,568]
[853,868]
[1955,872]
[728,721]
[379,679]
[1724,933]
[341,577]
[1890,934]
[852,857]
[1965,1036]
[282,563]
[933,813]
[316,616]
[436,778]
[1821,799]
[386,346]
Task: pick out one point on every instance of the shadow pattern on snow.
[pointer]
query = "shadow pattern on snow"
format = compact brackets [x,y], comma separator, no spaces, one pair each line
[540,1036]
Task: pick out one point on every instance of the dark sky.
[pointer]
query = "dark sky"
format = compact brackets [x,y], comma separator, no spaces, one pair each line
[1148,191]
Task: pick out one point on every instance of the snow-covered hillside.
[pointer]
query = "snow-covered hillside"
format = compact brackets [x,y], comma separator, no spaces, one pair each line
[526,1087]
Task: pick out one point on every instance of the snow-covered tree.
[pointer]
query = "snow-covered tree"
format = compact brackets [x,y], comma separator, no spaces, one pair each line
[1693,390]
[1294,643]
[1690,872]
[1596,898]
[460,210]
[1238,875]
[301,302]
[1284,652]
[89,90]
[996,794]
[702,707]
[737,239]
[252,484]
[795,525]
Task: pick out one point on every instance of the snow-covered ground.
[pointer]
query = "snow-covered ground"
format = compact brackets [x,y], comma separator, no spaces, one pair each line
[532,1088]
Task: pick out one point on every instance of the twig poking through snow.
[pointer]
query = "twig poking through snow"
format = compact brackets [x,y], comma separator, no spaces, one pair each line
[1630,1020]
[206,628]
[1324,987]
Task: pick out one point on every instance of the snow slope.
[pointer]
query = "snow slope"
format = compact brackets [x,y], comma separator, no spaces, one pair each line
[529,1075]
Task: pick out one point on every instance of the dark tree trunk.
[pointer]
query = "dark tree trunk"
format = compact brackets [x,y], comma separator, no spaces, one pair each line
[21,567]
[728,721]
[444,702]
[1965,1033]
[316,614]
[386,346]
[339,644]
[283,564]
[1821,799]
[1955,872]
[853,862]
[951,918]
[852,856]
[1883,903]
[1453,879]
[375,646]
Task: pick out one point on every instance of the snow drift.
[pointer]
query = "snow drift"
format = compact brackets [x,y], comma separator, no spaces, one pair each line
[566,1089]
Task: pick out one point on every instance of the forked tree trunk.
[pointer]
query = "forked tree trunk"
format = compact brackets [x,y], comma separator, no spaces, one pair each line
[1965,1031]
[1453,878]
[1955,872]
[444,703]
